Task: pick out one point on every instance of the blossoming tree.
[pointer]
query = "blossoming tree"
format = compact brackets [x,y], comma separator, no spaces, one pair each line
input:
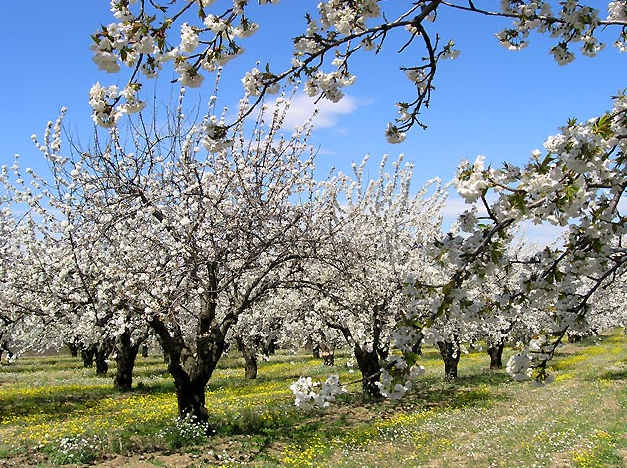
[381,228]
[199,230]
[196,239]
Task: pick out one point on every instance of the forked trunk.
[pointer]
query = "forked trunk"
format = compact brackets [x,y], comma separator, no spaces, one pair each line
[250,358]
[192,366]
[449,351]
[73,348]
[87,355]
[126,353]
[190,396]
[368,363]
[191,370]
[495,351]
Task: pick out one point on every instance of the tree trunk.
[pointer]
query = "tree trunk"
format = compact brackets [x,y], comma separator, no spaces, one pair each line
[190,382]
[449,351]
[126,353]
[190,397]
[102,367]
[495,351]
[368,363]
[328,357]
[87,355]
[270,346]
[250,358]
[417,346]
[103,351]
[191,370]
[73,348]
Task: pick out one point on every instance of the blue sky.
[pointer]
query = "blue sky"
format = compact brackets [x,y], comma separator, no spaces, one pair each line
[489,101]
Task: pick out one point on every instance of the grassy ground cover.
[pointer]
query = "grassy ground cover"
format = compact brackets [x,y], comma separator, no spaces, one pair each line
[54,412]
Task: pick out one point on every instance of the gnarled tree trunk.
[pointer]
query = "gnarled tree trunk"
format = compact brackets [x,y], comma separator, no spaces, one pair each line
[125,355]
[192,369]
[103,351]
[370,367]
[249,353]
[449,351]
[87,354]
[495,350]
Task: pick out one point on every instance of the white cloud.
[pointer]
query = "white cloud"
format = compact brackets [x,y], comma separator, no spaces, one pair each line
[329,113]
[542,234]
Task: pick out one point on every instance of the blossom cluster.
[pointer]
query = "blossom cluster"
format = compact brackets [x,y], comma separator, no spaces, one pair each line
[310,394]
[573,23]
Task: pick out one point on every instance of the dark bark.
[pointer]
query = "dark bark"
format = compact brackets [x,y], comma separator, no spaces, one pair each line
[269,347]
[495,351]
[190,396]
[315,351]
[190,382]
[417,346]
[103,351]
[87,355]
[369,362]
[144,350]
[192,369]
[126,353]
[370,367]
[73,347]
[328,357]
[249,354]
[449,351]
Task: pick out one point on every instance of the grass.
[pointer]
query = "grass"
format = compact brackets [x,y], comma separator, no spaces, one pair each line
[54,412]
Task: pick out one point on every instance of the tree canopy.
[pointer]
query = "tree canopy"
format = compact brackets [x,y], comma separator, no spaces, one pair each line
[184,227]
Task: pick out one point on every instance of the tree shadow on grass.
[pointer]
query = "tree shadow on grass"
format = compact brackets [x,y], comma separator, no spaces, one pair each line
[613,374]
[51,407]
[291,426]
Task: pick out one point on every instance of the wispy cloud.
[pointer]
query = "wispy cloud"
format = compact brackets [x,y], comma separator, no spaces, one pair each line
[329,113]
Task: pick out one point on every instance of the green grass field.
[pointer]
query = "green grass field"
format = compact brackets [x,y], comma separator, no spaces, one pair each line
[53,412]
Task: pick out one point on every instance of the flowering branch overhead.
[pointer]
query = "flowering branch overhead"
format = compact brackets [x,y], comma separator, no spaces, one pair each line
[147,35]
